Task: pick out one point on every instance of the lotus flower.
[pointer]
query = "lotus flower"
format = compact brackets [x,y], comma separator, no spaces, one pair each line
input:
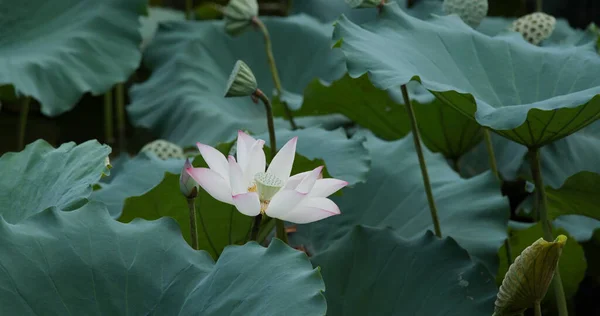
[300,199]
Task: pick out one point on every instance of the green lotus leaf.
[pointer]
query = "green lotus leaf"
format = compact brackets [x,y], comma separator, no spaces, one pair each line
[55,51]
[133,177]
[183,101]
[157,15]
[85,263]
[472,211]
[330,10]
[534,97]
[529,277]
[578,196]
[385,274]
[572,264]
[443,129]
[41,176]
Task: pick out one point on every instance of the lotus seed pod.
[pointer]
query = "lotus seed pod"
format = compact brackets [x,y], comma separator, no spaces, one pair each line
[534,27]
[472,12]
[242,82]
[529,277]
[364,3]
[238,15]
[164,150]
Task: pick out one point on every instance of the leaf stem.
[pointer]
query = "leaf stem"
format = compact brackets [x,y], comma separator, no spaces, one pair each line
[193,227]
[538,308]
[419,149]
[25,102]
[542,204]
[491,155]
[189,7]
[269,109]
[273,67]
[120,98]
[255,227]
[280,231]
[109,136]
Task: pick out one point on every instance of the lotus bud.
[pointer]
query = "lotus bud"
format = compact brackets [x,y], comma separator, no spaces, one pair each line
[188,186]
[242,82]
[239,15]
[472,12]
[365,3]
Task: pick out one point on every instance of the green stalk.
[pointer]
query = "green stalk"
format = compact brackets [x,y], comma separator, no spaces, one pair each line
[120,98]
[109,136]
[490,150]
[23,122]
[193,227]
[280,230]
[538,309]
[540,190]
[273,68]
[256,227]
[539,6]
[424,173]
[189,9]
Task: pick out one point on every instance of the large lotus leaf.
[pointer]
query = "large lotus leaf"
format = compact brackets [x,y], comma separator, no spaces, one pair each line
[157,15]
[330,10]
[443,129]
[55,51]
[472,211]
[346,158]
[41,176]
[528,94]
[577,196]
[572,264]
[133,177]
[183,101]
[374,271]
[85,263]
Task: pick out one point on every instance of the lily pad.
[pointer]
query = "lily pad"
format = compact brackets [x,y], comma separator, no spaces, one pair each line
[83,46]
[385,274]
[41,176]
[534,97]
[472,211]
[84,262]
[183,100]
[133,177]
[443,129]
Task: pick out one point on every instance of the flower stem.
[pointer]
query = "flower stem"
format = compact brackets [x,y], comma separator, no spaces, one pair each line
[539,5]
[255,227]
[203,223]
[23,122]
[273,67]
[109,136]
[280,230]
[490,150]
[542,204]
[189,7]
[120,98]
[193,227]
[265,100]
[419,149]
[538,308]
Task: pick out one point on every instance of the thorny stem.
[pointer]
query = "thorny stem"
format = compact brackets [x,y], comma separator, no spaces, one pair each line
[255,227]
[189,7]
[109,136]
[273,68]
[23,122]
[537,309]
[491,155]
[542,204]
[419,149]
[193,227]
[120,98]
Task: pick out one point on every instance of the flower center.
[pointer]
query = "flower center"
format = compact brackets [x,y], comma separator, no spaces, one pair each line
[267,185]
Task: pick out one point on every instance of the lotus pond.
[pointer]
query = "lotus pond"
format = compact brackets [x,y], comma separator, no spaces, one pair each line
[314,157]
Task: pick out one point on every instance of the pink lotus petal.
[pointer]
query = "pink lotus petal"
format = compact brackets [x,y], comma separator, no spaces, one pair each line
[247,203]
[309,181]
[312,209]
[283,202]
[281,165]
[327,187]
[236,178]
[212,183]
[215,160]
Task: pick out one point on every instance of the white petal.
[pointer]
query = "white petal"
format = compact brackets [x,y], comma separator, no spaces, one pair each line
[294,180]
[312,209]
[215,160]
[247,203]
[244,143]
[236,178]
[309,181]
[256,161]
[281,165]
[212,183]
[284,202]
[327,187]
